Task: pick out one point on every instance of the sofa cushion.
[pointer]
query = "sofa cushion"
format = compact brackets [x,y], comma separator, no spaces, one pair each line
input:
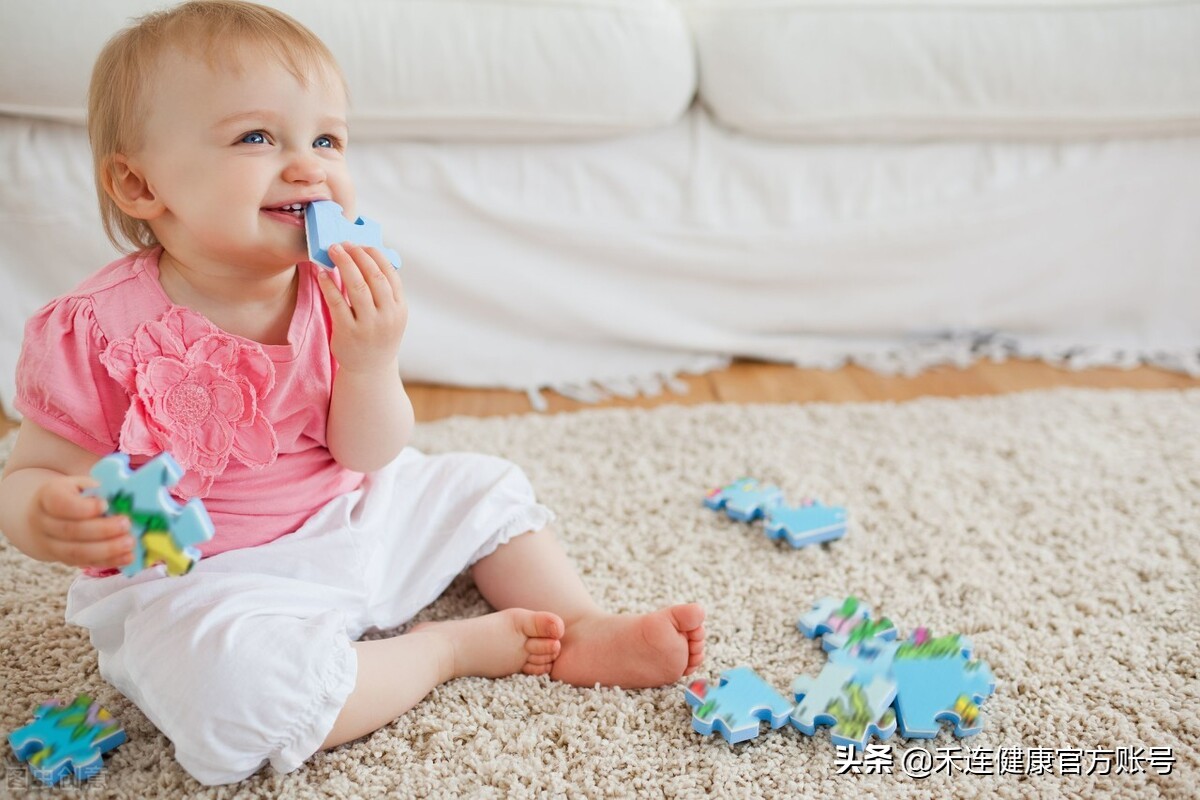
[949,68]
[417,68]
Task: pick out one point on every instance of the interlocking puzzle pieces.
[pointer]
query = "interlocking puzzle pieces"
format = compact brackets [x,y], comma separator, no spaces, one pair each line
[736,706]
[324,225]
[837,621]
[745,500]
[748,499]
[163,531]
[936,681]
[805,524]
[742,700]
[64,739]
[856,706]
[935,678]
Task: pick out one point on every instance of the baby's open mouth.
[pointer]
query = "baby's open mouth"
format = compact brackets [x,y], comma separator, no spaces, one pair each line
[296,209]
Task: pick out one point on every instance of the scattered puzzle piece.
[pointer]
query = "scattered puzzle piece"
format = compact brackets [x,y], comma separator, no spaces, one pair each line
[856,708]
[736,705]
[65,739]
[163,531]
[324,225]
[843,622]
[745,499]
[936,681]
[805,524]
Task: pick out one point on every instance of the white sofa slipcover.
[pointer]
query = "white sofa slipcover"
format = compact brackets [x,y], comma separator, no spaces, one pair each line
[568,220]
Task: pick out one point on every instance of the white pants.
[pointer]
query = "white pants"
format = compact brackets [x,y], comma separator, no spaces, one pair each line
[247,658]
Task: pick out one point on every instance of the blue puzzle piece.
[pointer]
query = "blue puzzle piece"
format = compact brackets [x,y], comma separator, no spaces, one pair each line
[324,225]
[936,681]
[162,530]
[844,622]
[857,707]
[65,739]
[745,499]
[736,706]
[809,523]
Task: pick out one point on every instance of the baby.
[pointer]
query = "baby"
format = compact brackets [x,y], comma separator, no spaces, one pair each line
[274,383]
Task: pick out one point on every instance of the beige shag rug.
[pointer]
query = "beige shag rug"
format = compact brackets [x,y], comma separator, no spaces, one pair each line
[1059,530]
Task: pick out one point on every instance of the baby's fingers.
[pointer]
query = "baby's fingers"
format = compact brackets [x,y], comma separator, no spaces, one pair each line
[63,498]
[111,552]
[389,273]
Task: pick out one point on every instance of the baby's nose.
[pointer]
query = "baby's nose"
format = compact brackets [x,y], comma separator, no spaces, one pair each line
[304,167]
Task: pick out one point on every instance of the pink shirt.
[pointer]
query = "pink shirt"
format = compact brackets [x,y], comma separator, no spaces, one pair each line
[115,365]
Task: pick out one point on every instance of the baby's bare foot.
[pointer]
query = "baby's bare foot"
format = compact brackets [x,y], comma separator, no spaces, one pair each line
[504,643]
[634,651]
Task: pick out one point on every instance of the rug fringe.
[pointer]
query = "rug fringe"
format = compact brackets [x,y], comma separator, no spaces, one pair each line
[952,348]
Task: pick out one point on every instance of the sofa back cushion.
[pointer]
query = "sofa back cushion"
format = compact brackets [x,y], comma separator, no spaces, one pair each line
[472,69]
[887,69]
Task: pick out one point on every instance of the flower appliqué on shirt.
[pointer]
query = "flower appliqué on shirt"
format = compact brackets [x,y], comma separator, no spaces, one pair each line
[197,394]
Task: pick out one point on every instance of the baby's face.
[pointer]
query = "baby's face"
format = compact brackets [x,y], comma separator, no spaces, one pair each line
[228,153]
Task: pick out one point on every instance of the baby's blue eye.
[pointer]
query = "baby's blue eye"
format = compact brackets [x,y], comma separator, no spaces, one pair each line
[255,137]
[323,141]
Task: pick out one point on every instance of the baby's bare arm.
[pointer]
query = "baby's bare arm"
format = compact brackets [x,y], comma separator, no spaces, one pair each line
[42,510]
[370,414]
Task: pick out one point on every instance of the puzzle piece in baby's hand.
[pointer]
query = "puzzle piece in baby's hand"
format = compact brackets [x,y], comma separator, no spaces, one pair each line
[936,681]
[162,530]
[324,225]
[64,739]
[745,499]
[844,622]
[857,708]
[807,523]
[736,705]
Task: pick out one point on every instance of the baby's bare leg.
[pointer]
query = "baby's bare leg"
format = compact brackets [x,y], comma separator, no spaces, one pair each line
[395,674]
[628,650]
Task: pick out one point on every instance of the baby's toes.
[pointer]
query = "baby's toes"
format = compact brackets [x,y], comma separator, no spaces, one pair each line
[542,647]
[540,655]
[695,651]
[544,625]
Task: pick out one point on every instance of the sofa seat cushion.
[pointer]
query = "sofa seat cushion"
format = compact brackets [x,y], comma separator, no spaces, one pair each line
[477,69]
[949,68]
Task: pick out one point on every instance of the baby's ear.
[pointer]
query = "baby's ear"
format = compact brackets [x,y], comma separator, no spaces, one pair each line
[125,182]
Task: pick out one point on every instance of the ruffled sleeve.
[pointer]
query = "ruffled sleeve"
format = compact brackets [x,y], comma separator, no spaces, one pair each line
[61,383]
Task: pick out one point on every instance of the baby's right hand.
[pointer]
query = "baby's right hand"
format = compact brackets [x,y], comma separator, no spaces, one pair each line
[72,528]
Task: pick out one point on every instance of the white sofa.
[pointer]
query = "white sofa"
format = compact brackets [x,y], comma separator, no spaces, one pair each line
[596,195]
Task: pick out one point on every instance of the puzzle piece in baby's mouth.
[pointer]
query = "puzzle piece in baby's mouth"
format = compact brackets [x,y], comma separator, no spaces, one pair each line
[324,226]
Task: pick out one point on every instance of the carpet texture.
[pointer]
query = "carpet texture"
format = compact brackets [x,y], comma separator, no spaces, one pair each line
[1059,530]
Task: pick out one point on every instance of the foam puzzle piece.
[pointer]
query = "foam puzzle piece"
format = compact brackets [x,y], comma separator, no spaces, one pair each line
[805,524]
[736,705]
[936,680]
[163,531]
[745,500]
[66,739]
[844,622]
[857,707]
[324,225]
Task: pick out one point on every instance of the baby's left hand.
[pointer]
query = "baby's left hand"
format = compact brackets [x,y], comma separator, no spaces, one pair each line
[366,330]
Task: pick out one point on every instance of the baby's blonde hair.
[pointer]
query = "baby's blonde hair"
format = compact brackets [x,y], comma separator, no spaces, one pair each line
[211,29]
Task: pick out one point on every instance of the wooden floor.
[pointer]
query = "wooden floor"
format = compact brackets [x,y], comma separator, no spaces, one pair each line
[751,382]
